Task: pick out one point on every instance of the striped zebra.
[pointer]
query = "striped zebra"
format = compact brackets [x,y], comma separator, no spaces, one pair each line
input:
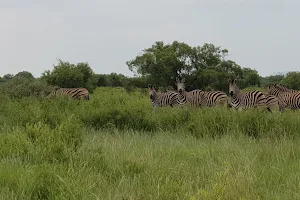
[169,98]
[74,93]
[288,98]
[199,98]
[272,102]
[245,100]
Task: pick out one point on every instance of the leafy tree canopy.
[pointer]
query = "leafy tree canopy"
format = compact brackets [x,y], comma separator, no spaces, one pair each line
[204,67]
[69,75]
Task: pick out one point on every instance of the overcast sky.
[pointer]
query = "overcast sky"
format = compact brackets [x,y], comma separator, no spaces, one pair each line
[260,34]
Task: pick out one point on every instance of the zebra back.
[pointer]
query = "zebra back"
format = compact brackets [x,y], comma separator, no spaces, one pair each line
[288,98]
[199,98]
[168,98]
[246,100]
[253,99]
[272,101]
[74,93]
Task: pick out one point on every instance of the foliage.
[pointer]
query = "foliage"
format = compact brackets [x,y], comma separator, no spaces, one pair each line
[24,74]
[119,80]
[8,76]
[203,66]
[69,75]
[278,78]
[115,144]
[20,87]
[292,80]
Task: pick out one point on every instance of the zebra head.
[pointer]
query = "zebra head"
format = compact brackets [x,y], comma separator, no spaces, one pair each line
[281,87]
[233,89]
[180,85]
[152,92]
[275,89]
[269,88]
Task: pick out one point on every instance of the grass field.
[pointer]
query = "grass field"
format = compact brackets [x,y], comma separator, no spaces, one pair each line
[115,146]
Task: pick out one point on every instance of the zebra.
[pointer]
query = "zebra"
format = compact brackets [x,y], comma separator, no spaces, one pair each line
[74,93]
[169,98]
[199,98]
[272,101]
[288,98]
[245,100]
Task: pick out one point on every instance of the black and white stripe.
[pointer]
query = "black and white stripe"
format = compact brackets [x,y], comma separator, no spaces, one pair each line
[288,98]
[169,98]
[246,100]
[199,98]
[74,93]
[272,102]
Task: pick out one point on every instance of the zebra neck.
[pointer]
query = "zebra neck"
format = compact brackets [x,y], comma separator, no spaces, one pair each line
[182,96]
[236,98]
[235,103]
[275,92]
[238,94]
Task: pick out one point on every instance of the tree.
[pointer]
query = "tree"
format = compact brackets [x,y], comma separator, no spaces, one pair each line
[163,63]
[2,80]
[292,80]
[24,74]
[272,79]
[85,70]
[69,75]
[249,78]
[102,80]
[204,67]
[8,76]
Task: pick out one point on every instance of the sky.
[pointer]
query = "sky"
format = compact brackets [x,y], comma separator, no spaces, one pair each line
[259,34]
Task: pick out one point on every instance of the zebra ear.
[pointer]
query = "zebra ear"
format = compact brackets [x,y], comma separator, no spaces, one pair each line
[154,87]
[149,86]
[229,81]
[234,81]
[183,80]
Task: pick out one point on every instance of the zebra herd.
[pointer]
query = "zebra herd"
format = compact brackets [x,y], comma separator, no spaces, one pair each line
[277,97]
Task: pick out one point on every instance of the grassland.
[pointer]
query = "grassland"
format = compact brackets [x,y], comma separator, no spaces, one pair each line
[115,146]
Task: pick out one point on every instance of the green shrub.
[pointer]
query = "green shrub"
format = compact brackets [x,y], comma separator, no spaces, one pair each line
[20,87]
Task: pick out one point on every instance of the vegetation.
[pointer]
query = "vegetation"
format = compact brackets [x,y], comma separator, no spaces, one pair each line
[204,67]
[116,146]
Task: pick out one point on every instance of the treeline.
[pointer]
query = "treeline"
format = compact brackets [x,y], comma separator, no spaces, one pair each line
[204,67]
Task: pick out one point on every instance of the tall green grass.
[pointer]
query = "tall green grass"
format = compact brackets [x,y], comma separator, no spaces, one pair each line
[116,146]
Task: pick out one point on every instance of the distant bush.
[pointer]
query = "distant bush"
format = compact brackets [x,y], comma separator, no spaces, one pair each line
[20,87]
[253,88]
[68,75]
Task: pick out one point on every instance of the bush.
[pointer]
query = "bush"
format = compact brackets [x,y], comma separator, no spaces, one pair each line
[20,87]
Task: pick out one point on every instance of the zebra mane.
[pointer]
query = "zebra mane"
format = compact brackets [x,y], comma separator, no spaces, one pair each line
[281,87]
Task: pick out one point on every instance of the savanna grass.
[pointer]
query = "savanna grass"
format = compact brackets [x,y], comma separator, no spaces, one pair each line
[116,146]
